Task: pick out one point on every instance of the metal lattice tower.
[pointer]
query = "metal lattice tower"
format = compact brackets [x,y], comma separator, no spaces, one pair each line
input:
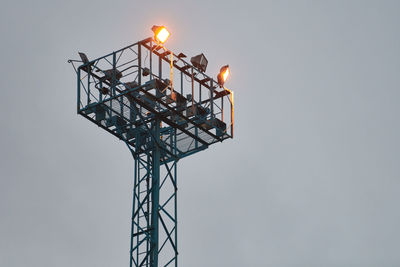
[164,109]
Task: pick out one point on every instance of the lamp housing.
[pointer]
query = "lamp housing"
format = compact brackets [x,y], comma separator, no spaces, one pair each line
[223,75]
[161,33]
[200,62]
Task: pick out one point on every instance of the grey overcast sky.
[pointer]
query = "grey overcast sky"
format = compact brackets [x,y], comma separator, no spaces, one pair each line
[312,177]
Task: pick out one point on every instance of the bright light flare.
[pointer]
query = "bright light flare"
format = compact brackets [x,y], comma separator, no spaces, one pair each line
[223,75]
[161,33]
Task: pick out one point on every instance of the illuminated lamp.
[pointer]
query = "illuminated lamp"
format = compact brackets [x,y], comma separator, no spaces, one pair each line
[160,33]
[223,75]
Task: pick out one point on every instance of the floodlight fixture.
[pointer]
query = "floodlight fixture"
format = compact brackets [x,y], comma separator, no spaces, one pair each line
[200,62]
[223,75]
[110,74]
[161,33]
[85,60]
[83,57]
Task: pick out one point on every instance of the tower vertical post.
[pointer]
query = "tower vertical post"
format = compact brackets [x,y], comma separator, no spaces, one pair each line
[155,195]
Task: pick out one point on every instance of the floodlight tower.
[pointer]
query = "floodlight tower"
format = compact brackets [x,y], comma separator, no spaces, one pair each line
[162,117]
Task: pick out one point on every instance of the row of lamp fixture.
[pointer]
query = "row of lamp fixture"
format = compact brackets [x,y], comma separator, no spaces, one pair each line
[161,35]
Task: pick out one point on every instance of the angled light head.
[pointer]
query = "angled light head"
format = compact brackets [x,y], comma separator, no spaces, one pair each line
[223,75]
[160,33]
[83,57]
[200,62]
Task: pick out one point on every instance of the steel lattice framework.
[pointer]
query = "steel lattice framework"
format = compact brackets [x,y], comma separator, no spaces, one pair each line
[162,116]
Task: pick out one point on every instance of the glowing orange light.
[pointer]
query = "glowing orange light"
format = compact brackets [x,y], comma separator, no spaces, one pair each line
[160,33]
[223,75]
